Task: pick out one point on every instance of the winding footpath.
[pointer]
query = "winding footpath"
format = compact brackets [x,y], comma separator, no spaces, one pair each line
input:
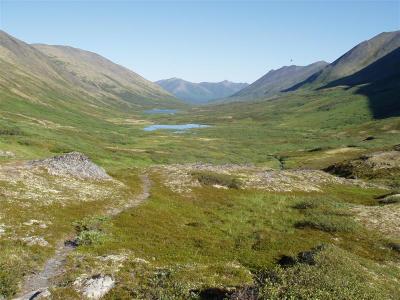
[37,284]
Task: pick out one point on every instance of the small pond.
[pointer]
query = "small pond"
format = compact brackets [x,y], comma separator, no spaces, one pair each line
[157,111]
[180,127]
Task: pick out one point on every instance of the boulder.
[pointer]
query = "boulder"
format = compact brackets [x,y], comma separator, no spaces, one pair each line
[72,164]
[95,287]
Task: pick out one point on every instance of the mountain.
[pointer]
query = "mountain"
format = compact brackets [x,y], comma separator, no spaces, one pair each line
[42,73]
[200,92]
[355,59]
[385,68]
[276,81]
[101,76]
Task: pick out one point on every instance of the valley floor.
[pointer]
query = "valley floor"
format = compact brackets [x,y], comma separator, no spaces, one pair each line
[205,232]
[262,204]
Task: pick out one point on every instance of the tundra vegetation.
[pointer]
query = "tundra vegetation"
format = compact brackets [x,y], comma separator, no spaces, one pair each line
[283,198]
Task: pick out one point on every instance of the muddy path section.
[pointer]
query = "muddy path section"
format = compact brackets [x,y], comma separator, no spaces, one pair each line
[37,284]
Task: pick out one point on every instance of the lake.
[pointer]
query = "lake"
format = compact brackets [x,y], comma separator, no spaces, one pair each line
[161,111]
[180,127]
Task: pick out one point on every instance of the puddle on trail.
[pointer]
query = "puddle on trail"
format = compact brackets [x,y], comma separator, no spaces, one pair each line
[179,128]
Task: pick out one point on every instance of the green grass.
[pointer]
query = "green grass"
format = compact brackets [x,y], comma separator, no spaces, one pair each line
[337,274]
[181,238]
[255,132]
[213,237]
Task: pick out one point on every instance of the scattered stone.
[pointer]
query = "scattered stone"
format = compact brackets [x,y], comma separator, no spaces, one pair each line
[179,178]
[113,258]
[2,229]
[35,240]
[72,164]
[29,183]
[115,262]
[4,153]
[218,186]
[385,218]
[140,260]
[39,223]
[95,287]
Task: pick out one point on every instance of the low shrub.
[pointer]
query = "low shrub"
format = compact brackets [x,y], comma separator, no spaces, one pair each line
[334,274]
[8,283]
[10,131]
[326,223]
[307,204]
[90,223]
[90,237]
[209,178]
[90,230]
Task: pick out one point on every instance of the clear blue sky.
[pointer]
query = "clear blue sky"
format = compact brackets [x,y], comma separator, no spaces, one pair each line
[202,40]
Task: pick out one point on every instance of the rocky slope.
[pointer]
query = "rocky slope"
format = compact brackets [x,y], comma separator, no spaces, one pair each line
[379,166]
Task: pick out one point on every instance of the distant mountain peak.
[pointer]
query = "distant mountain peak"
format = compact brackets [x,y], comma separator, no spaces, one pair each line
[200,92]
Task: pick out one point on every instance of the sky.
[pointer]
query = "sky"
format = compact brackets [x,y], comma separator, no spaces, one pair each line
[202,40]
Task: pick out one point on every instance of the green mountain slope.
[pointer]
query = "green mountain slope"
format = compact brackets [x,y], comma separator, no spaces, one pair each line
[76,101]
[36,73]
[382,69]
[276,81]
[200,92]
[355,59]
[380,82]
[100,76]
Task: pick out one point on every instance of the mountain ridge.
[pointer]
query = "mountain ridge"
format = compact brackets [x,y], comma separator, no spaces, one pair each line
[202,92]
[357,58]
[34,72]
[276,81]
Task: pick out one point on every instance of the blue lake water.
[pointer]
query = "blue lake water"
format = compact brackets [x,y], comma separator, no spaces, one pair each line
[161,111]
[180,127]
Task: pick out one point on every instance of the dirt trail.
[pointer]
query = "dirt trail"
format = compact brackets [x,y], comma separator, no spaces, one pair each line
[38,283]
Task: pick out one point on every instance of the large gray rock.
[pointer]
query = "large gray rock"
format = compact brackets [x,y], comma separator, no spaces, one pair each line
[72,164]
[95,287]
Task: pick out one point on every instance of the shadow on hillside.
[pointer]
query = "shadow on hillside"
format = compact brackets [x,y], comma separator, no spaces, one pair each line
[383,97]
[380,82]
[303,83]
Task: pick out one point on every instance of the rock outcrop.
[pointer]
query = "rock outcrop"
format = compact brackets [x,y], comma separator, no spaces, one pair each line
[378,165]
[94,287]
[72,164]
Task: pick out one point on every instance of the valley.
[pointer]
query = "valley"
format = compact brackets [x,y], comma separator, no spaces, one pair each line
[293,195]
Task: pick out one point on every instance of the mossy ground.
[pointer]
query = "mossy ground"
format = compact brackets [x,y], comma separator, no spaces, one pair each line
[213,237]
[179,245]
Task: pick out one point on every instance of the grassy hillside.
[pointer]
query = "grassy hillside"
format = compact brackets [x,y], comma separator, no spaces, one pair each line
[277,81]
[40,74]
[249,223]
[101,77]
[355,59]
